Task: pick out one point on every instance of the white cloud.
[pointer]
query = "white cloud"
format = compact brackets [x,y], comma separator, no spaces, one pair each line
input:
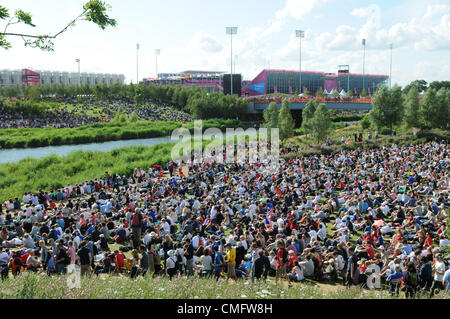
[297,9]
[426,33]
[205,42]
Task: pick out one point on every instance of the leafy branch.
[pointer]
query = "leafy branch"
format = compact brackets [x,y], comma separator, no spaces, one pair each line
[93,11]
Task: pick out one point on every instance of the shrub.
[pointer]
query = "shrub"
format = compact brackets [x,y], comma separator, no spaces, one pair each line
[385,131]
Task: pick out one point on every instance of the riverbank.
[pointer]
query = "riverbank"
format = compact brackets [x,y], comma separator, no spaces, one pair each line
[101,132]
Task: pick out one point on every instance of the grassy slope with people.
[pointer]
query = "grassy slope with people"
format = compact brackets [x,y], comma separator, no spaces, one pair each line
[53,171]
[404,137]
[98,132]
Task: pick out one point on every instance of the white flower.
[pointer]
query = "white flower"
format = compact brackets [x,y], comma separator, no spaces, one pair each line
[243,296]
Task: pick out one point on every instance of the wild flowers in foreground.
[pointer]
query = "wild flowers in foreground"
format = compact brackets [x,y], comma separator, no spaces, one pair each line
[30,285]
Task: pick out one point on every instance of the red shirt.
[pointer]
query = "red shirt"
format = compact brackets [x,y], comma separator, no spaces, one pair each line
[280,258]
[120,258]
[370,251]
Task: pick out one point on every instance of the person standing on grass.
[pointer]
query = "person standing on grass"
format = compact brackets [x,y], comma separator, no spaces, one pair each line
[171,270]
[4,260]
[134,263]
[144,262]
[136,224]
[439,270]
[395,280]
[411,280]
[218,263]
[352,265]
[85,259]
[446,279]
[282,259]
[230,259]
[62,259]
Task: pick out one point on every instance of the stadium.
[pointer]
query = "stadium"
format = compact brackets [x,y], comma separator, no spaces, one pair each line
[287,81]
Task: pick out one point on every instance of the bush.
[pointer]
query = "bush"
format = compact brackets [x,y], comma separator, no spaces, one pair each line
[385,131]
[365,122]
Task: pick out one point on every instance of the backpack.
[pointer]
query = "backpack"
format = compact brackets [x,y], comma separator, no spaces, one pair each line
[135,219]
[66,258]
[179,258]
[413,279]
[285,256]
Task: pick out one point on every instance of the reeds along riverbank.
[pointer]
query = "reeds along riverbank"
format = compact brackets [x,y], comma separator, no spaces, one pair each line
[52,172]
[99,132]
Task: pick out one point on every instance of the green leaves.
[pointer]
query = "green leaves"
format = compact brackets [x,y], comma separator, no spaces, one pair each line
[412,107]
[321,122]
[24,17]
[95,11]
[387,107]
[286,121]
[4,13]
[42,42]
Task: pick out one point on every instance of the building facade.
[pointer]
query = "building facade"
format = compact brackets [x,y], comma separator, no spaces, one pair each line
[288,82]
[28,77]
[210,81]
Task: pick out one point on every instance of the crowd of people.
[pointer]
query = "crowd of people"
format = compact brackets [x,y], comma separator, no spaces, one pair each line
[74,114]
[350,218]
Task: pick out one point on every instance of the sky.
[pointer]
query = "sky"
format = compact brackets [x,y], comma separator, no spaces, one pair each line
[191,36]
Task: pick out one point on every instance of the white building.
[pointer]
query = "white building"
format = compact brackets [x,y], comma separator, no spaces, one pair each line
[14,77]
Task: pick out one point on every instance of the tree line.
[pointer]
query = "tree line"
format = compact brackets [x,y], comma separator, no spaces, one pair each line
[396,107]
[199,103]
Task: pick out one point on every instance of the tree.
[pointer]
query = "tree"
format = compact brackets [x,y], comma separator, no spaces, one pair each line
[426,108]
[434,109]
[420,85]
[349,93]
[296,92]
[306,92]
[437,85]
[93,11]
[321,122]
[286,122]
[308,114]
[335,94]
[412,118]
[271,116]
[387,107]
[365,122]
[320,93]
[363,93]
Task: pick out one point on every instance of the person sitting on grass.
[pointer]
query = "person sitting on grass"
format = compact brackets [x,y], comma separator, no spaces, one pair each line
[296,274]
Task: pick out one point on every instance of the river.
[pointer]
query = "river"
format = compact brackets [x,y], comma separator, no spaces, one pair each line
[16,154]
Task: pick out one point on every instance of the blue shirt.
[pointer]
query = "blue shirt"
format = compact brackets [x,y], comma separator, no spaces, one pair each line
[396,275]
[447,279]
[218,260]
[60,223]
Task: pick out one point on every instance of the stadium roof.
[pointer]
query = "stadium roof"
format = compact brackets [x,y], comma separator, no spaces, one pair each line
[202,72]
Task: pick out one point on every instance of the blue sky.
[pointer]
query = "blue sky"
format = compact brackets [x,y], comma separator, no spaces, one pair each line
[191,35]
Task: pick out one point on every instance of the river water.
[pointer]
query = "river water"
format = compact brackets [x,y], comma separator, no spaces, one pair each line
[16,154]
